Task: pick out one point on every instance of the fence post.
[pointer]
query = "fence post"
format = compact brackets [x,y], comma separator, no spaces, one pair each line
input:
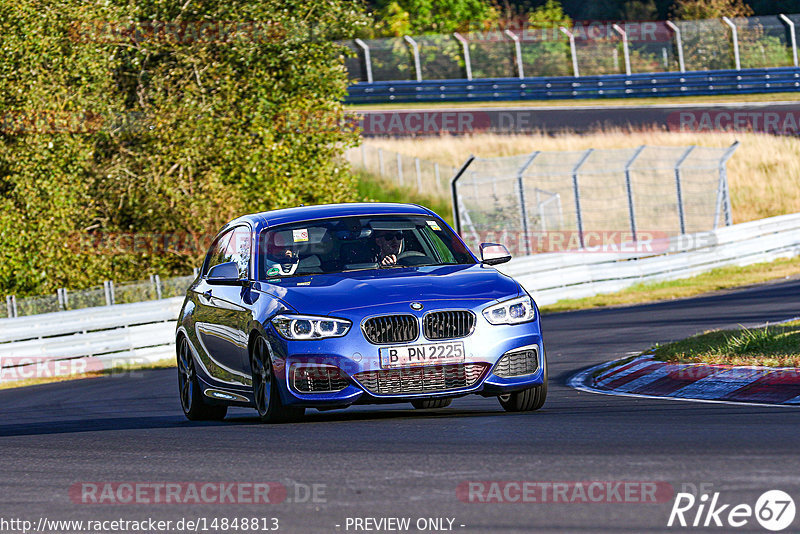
[678,43]
[381,167]
[108,288]
[11,305]
[63,298]
[576,191]
[625,51]
[735,35]
[454,191]
[419,174]
[792,36]
[415,51]
[681,215]
[465,48]
[399,168]
[723,180]
[517,52]
[436,175]
[157,284]
[364,155]
[522,204]
[631,210]
[572,50]
[367,59]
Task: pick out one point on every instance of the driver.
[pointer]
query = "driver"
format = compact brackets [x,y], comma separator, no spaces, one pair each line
[286,260]
[390,245]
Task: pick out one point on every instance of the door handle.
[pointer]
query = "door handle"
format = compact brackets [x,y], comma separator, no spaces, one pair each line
[207,294]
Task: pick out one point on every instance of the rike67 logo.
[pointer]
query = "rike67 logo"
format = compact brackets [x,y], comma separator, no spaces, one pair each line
[774,510]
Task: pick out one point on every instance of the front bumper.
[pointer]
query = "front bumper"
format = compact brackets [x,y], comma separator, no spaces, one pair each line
[358,360]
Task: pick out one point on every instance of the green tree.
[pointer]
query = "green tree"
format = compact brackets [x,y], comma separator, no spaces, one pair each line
[163,129]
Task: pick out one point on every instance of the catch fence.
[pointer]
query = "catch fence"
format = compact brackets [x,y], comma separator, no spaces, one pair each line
[557,201]
[587,49]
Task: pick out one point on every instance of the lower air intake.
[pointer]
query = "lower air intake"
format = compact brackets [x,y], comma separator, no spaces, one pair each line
[429,379]
[518,363]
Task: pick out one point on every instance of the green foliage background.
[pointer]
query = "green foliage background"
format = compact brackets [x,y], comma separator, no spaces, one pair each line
[170,135]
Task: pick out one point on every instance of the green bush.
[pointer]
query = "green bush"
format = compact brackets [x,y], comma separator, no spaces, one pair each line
[167,132]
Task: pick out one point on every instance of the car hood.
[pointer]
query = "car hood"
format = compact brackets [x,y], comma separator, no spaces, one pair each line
[326,294]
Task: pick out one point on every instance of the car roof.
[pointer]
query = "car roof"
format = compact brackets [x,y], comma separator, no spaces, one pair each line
[306,213]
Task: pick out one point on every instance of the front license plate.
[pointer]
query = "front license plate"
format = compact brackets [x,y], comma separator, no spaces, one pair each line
[430,354]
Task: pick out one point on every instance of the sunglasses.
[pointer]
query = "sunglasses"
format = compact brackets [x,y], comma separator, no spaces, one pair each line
[397,236]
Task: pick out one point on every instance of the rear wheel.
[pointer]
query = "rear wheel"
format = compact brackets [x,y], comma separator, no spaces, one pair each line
[189,388]
[527,400]
[430,404]
[265,391]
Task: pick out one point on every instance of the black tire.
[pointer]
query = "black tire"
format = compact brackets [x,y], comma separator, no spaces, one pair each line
[265,393]
[430,404]
[189,389]
[527,400]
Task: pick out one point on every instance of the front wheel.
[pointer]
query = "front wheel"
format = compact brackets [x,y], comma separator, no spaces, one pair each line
[265,392]
[189,389]
[527,400]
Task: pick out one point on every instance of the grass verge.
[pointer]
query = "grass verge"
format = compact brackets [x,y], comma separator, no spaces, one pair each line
[568,103]
[118,370]
[715,280]
[375,189]
[771,346]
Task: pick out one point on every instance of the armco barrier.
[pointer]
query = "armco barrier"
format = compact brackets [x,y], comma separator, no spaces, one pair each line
[712,82]
[144,331]
[141,333]
[553,277]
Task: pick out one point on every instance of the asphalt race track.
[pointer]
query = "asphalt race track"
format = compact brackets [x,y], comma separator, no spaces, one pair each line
[395,462]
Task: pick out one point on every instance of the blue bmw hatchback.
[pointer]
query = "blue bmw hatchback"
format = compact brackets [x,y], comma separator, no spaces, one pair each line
[328,306]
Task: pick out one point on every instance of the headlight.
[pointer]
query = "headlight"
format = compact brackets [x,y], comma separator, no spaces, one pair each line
[309,326]
[514,311]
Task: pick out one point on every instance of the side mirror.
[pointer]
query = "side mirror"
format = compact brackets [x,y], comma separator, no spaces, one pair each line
[225,274]
[494,254]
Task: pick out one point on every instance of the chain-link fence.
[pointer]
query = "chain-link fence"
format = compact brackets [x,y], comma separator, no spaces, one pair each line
[406,171]
[586,49]
[102,295]
[555,201]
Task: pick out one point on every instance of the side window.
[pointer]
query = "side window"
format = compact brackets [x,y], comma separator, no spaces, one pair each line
[218,252]
[233,245]
[239,249]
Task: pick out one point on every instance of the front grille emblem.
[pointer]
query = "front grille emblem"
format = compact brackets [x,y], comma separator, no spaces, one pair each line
[416,306]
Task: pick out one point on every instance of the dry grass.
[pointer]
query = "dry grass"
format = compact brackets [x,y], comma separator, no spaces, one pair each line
[763,173]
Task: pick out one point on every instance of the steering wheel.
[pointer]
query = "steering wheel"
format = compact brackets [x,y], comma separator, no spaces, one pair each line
[411,257]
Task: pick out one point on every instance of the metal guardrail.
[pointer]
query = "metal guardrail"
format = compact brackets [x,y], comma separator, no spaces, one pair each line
[712,82]
[553,277]
[51,344]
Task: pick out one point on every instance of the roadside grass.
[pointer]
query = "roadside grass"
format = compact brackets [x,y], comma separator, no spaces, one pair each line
[762,173]
[166,363]
[715,280]
[372,188]
[633,102]
[771,346]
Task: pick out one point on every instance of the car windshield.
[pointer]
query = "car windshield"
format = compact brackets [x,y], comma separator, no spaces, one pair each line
[357,243]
